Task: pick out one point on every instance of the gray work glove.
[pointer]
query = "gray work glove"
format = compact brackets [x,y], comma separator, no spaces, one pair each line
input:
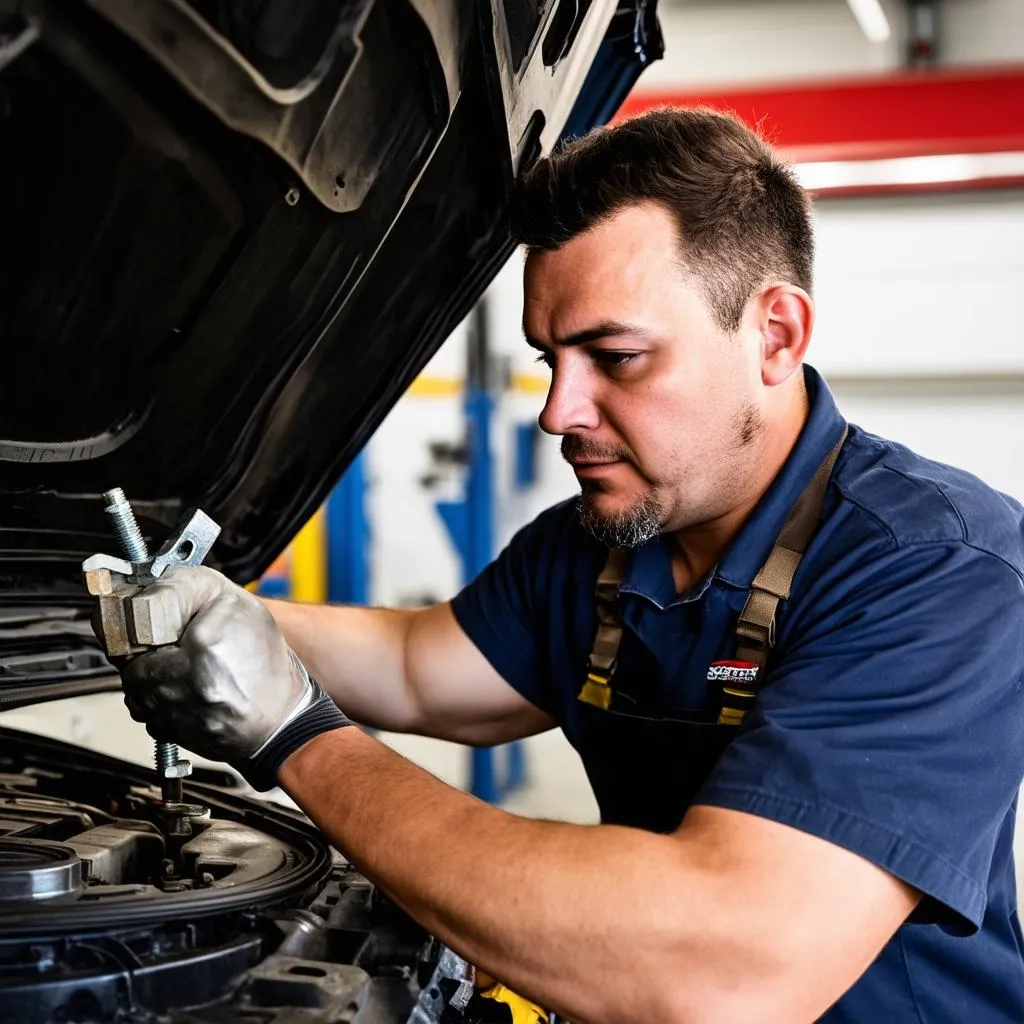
[230,689]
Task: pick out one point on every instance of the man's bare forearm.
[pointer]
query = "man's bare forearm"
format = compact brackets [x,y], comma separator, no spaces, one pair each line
[605,925]
[357,655]
[407,670]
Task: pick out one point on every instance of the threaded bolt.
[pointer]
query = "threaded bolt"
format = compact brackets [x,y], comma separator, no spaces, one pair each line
[133,543]
[133,546]
[166,755]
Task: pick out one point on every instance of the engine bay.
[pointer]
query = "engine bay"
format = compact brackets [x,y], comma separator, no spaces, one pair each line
[105,915]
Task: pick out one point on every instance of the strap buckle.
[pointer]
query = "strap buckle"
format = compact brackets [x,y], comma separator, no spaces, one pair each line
[737,701]
[596,691]
[731,716]
[759,635]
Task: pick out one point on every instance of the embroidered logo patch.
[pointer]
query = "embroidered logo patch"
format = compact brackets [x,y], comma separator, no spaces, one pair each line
[740,672]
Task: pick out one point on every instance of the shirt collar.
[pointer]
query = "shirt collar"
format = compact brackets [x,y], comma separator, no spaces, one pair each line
[649,574]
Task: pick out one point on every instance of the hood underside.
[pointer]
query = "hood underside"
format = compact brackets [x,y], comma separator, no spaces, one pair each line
[234,232]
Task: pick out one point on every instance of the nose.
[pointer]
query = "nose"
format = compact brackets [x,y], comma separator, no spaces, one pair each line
[570,403]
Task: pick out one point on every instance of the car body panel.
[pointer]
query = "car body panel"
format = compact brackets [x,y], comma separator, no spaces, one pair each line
[192,314]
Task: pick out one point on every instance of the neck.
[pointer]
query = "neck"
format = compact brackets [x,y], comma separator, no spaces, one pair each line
[695,549]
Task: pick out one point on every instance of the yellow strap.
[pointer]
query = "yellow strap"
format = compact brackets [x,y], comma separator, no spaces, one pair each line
[737,693]
[522,1010]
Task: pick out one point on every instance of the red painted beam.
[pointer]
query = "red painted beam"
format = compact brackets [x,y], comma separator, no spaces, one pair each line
[909,114]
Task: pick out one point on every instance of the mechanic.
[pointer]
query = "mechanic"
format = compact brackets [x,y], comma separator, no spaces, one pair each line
[788,652]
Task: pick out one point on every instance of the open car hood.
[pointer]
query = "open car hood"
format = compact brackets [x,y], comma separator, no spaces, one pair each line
[234,232]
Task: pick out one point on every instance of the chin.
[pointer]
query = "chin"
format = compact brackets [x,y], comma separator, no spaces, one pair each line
[617,522]
[617,505]
[608,503]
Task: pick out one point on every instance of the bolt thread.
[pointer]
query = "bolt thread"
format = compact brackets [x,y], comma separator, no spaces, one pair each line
[166,755]
[133,544]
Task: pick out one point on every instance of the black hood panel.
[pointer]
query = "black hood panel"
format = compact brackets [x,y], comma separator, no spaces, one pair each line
[189,308]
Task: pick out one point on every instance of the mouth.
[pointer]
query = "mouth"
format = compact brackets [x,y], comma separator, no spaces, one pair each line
[594,468]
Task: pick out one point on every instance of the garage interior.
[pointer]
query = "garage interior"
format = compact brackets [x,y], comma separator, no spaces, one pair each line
[906,120]
[942,372]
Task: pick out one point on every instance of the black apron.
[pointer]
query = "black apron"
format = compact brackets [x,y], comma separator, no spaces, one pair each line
[646,772]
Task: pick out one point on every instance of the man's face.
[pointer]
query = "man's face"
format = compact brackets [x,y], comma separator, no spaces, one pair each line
[659,409]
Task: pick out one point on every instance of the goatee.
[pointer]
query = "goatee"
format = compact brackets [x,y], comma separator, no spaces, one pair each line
[626,529]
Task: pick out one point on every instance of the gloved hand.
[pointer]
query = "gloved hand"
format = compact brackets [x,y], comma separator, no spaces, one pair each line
[230,689]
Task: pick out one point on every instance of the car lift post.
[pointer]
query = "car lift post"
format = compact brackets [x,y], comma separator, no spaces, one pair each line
[329,558]
[349,537]
[470,523]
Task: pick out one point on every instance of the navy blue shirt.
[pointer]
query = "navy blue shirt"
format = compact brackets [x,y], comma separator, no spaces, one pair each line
[891,722]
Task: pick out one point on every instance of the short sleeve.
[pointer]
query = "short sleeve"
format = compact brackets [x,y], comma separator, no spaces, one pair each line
[892,720]
[500,611]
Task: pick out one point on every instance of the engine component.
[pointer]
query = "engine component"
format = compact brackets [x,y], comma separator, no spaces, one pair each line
[30,869]
[254,920]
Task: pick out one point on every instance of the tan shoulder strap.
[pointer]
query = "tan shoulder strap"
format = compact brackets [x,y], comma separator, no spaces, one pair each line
[755,628]
[601,664]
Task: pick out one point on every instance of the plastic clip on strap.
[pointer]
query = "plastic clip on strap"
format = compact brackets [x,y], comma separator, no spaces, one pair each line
[596,689]
[755,630]
[320,714]
[500,1005]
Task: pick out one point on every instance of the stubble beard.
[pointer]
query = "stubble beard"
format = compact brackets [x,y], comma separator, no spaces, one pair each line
[632,527]
[625,529]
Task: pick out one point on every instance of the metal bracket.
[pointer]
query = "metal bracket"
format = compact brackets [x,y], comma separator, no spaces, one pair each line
[189,546]
[129,626]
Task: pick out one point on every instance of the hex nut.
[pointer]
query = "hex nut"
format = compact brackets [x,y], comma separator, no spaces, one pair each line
[179,770]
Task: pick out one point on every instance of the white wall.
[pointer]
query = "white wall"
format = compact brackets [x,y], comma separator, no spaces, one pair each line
[718,44]
[723,42]
[923,284]
[982,31]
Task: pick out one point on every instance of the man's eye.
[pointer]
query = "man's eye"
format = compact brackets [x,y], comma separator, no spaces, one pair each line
[615,358]
[547,359]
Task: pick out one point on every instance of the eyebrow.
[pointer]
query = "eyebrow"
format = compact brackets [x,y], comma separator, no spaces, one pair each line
[609,329]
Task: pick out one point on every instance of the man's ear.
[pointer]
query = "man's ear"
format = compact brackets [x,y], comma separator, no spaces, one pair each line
[785,319]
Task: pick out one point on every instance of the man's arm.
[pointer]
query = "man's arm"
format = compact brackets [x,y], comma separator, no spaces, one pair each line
[407,670]
[733,918]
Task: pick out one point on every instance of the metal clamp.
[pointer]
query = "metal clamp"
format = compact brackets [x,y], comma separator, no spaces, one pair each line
[127,619]
[129,626]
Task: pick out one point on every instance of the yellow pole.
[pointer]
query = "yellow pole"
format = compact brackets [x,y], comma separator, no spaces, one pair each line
[309,561]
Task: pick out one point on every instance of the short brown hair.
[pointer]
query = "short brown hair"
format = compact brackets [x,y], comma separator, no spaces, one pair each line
[742,215]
